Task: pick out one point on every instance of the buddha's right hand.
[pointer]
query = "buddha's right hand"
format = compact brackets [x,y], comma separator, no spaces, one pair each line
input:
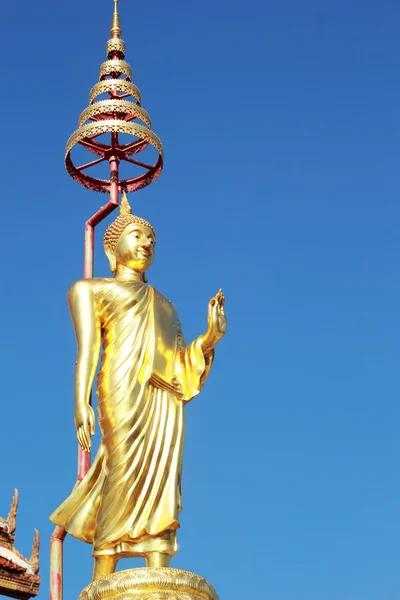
[84,423]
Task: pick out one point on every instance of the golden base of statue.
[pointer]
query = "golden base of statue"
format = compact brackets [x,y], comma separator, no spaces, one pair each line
[150,583]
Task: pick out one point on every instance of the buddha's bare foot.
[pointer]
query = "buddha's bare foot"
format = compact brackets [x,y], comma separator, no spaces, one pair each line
[157,559]
[104,565]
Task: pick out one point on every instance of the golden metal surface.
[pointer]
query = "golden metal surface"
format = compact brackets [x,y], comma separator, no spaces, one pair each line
[115,66]
[116,45]
[115,30]
[129,502]
[115,85]
[117,227]
[116,106]
[150,583]
[109,125]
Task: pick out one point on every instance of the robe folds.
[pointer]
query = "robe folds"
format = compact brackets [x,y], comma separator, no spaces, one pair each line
[129,501]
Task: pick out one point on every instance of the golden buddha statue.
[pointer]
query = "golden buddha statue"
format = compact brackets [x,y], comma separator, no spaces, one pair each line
[128,503]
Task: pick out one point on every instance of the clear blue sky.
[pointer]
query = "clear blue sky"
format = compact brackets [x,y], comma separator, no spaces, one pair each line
[280,122]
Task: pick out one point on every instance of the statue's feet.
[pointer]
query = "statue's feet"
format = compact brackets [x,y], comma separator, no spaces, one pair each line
[104,565]
[157,559]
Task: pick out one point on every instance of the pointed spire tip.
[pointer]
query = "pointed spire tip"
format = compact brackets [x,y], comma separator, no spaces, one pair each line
[115,30]
[125,208]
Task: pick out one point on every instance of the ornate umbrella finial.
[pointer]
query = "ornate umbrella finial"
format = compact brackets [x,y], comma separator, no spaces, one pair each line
[115,30]
[119,114]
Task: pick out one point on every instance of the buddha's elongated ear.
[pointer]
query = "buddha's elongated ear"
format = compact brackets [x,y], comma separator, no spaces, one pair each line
[145,280]
[111,257]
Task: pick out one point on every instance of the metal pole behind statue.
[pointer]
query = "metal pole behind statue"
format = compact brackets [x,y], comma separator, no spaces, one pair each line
[114,115]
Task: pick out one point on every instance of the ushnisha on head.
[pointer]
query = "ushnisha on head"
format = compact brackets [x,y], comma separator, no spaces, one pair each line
[129,241]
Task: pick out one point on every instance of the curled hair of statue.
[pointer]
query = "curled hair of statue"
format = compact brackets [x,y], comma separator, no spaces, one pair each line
[118,226]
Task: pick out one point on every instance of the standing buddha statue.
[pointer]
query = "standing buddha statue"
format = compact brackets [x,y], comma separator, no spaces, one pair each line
[128,504]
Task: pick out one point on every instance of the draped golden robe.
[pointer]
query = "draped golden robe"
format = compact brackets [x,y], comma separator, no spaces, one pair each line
[129,501]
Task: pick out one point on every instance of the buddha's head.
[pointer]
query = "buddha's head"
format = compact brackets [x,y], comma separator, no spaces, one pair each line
[129,241]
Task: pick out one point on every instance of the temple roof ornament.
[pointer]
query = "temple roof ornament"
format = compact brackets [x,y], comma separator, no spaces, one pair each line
[34,558]
[18,576]
[12,515]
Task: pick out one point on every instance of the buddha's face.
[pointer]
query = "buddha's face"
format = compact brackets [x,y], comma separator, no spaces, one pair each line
[135,248]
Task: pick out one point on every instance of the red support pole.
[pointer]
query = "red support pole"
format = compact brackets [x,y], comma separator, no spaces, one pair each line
[56,563]
[57,539]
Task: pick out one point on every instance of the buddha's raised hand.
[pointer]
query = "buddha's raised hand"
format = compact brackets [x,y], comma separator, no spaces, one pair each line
[216,322]
[216,316]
